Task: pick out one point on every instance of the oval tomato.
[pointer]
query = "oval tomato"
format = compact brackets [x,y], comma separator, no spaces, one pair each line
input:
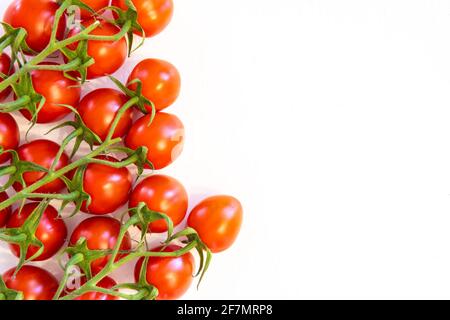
[161,82]
[109,56]
[5,213]
[164,138]
[7,69]
[108,187]
[162,194]
[57,90]
[153,15]
[9,135]
[96,5]
[43,153]
[99,108]
[101,234]
[35,283]
[172,276]
[217,220]
[106,283]
[51,231]
[37,18]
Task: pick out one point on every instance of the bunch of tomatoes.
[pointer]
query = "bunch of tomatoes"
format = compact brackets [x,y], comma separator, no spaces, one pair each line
[49,50]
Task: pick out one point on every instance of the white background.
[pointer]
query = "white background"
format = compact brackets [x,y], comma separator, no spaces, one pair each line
[330,121]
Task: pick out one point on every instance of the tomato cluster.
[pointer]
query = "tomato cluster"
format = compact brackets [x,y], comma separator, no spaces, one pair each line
[124,127]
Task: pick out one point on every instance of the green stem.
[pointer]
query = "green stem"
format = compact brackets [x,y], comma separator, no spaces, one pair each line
[14,105]
[119,115]
[55,196]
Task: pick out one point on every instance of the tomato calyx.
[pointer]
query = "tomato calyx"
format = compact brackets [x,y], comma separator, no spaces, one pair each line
[9,294]
[140,101]
[15,38]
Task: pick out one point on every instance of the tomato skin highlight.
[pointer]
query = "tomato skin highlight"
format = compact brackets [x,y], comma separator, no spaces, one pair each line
[42,152]
[51,231]
[37,18]
[218,221]
[8,69]
[9,135]
[5,213]
[99,108]
[101,233]
[57,90]
[34,282]
[161,82]
[162,194]
[106,283]
[109,56]
[108,187]
[97,5]
[172,276]
[164,138]
[153,15]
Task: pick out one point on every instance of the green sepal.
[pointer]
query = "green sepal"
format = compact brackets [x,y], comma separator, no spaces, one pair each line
[9,294]
[75,186]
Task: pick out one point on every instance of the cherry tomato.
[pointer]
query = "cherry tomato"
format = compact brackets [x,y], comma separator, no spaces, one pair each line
[164,138]
[43,153]
[106,283]
[34,282]
[57,90]
[99,108]
[9,135]
[217,220]
[5,213]
[7,69]
[172,276]
[161,82]
[162,194]
[51,231]
[108,187]
[153,15]
[37,18]
[101,234]
[109,56]
[96,5]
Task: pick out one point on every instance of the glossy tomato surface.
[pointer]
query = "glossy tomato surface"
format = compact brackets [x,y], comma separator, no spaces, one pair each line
[5,213]
[101,234]
[164,138]
[51,231]
[161,82]
[108,187]
[99,108]
[109,56]
[153,15]
[162,194]
[43,153]
[57,90]
[172,276]
[7,69]
[96,5]
[106,283]
[35,283]
[37,18]
[218,221]
[9,135]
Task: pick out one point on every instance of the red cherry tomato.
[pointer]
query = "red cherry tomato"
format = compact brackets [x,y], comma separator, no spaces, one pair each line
[108,187]
[51,231]
[57,90]
[101,234]
[109,56]
[106,283]
[99,108]
[9,135]
[172,276]
[7,69]
[153,15]
[43,153]
[5,213]
[37,18]
[96,5]
[35,283]
[162,194]
[217,220]
[161,82]
[164,138]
